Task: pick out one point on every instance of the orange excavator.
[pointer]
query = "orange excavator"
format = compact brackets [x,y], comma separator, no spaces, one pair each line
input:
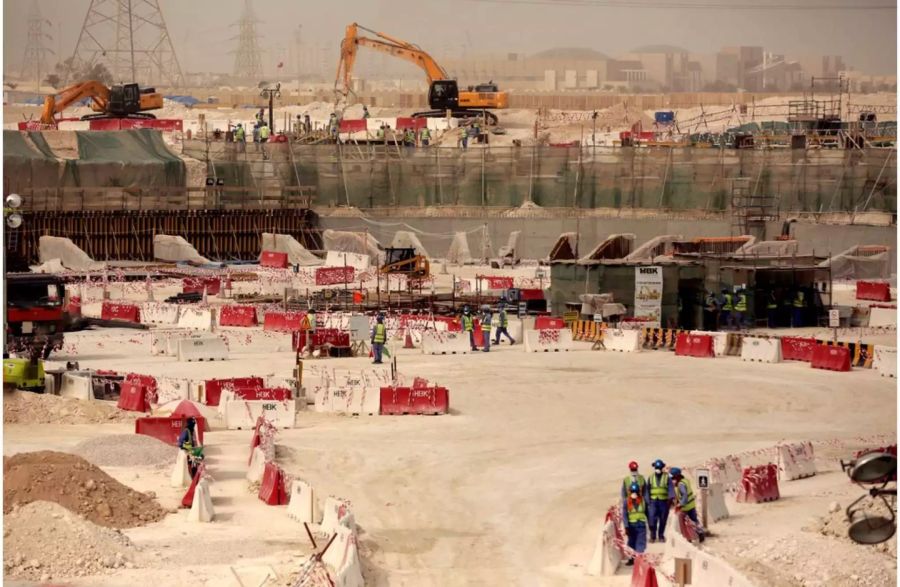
[443,93]
[125,101]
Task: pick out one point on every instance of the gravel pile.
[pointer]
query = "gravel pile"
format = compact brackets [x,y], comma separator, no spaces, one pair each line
[24,407]
[77,485]
[126,450]
[43,541]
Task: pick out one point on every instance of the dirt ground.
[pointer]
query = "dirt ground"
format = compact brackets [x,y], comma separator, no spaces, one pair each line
[510,488]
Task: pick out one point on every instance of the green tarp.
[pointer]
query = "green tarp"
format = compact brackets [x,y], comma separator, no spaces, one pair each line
[124,158]
[25,167]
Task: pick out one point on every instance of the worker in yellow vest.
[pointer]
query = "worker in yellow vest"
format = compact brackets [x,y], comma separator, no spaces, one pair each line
[502,326]
[740,309]
[772,309]
[379,337]
[634,515]
[634,477]
[727,305]
[486,317]
[662,494]
[468,325]
[799,309]
[685,501]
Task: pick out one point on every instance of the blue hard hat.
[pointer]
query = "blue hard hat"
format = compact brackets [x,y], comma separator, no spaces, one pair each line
[658,464]
[635,488]
[675,471]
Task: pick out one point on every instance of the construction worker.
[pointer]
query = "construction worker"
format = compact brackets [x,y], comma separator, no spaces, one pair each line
[799,306]
[634,515]
[772,309]
[298,125]
[409,138]
[307,123]
[476,130]
[502,325]
[256,134]
[260,116]
[740,309]
[240,137]
[264,133]
[379,337]
[726,302]
[379,134]
[468,325]
[365,112]
[463,138]
[685,501]
[188,442]
[662,494]
[710,312]
[486,317]
[634,477]
[333,126]
[425,136]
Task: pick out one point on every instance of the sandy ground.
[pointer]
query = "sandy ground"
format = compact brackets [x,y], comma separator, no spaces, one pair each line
[512,486]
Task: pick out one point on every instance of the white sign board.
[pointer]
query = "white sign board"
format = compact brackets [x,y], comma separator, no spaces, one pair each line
[648,288]
[702,478]
[598,317]
[834,318]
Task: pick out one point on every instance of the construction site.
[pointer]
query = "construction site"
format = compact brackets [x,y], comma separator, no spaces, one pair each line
[248,324]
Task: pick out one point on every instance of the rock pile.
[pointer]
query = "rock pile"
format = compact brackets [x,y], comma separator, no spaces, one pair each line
[23,407]
[126,450]
[77,485]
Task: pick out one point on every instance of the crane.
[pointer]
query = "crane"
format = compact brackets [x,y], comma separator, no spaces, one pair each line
[125,101]
[443,92]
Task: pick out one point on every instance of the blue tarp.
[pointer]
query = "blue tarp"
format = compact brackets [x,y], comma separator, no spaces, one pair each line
[186,100]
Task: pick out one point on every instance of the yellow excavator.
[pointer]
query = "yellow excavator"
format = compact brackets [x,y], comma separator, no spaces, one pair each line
[125,101]
[443,93]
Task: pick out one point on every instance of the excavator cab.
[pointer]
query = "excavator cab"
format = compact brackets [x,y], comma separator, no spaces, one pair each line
[124,100]
[443,95]
[405,261]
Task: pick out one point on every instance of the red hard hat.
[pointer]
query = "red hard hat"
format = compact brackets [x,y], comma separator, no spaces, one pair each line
[633,466]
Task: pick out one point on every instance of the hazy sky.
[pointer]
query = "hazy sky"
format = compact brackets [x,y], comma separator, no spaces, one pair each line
[200,29]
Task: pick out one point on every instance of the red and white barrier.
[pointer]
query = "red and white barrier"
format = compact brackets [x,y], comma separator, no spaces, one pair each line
[195,319]
[336,514]
[445,343]
[694,345]
[271,488]
[795,461]
[424,400]
[759,484]
[764,350]
[548,340]
[706,570]
[348,394]
[243,414]
[202,507]
[343,558]
[206,348]
[886,361]
[257,465]
[877,291]
[123,312]
[171,389]
[303,506]
[726,471]
[720,341]
[797,348]
[625,341]
[882,317]
[831,358]
[607,555]
[160,313]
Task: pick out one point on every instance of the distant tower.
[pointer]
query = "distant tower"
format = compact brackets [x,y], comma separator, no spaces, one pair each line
[248,56]
[34,62]
[131,39]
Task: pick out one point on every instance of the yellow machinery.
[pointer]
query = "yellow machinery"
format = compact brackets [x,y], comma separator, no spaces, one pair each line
[443,93]
[125,101]
[405,261]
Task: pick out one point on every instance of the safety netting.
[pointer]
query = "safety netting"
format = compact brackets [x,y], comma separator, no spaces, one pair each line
[26,167]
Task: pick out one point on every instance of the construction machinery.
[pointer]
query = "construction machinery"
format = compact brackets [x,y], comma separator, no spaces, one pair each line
[35,316]
[443,93]
[125,101]
[25,374]
[405,261]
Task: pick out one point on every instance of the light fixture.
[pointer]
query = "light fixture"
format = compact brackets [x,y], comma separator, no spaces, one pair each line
[868,526]
[14,220]
[13,200]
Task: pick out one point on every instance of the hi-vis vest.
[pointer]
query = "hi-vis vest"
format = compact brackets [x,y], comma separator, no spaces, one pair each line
[380,334]
[659,488]
[689,502]
[468,324]
[741,305]
[727,305]
[504,320]
[799,302]
[637,511]
[636,478]
[771,305]
[486,323]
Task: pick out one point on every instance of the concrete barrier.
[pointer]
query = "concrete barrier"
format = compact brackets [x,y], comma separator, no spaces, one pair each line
[882,317]
[886,361]
[206,348]
[795,461]
[764,350]
[445,343]
[343,558]
[607,555]
[257,465]
[335,514]
[726,471]
[195,319]
[303,506]
[202,506]
[707,570]
[170,389]
[343,397]
[160,313]
[77,385]
[625,341]
[159,343]
[181,475]
[548,340]
[242,414]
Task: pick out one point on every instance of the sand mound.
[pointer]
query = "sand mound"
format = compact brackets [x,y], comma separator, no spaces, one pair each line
[23,407]
[75,484]
[44,541]
[836,525]
[126,450]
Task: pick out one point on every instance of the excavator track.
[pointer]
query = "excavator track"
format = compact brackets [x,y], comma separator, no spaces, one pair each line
[490,117]
[104,116]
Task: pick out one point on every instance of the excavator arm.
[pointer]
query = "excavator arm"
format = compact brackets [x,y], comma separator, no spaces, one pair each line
[54,104]
[385,44]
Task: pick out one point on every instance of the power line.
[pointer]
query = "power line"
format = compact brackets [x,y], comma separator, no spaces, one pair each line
[679,4]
